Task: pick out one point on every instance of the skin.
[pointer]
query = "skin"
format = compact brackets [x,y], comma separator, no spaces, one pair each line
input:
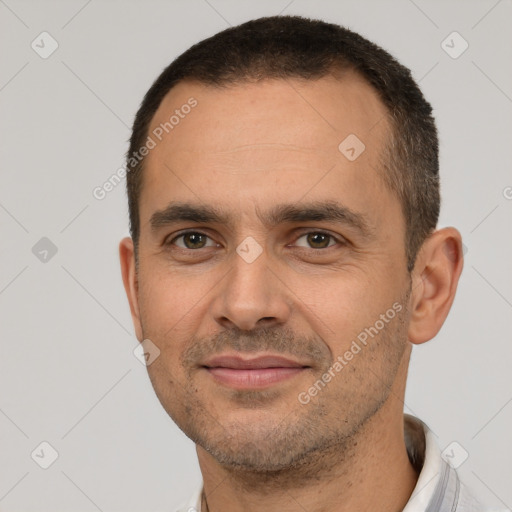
[244,149]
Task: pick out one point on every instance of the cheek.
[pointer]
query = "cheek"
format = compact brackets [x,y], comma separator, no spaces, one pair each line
[169,299]
[340,303]
[354,311]
[171,388]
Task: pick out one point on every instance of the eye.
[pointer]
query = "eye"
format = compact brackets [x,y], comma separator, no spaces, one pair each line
[317,240]
[192,240]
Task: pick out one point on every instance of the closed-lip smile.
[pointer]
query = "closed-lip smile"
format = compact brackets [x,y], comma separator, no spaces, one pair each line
[254,372]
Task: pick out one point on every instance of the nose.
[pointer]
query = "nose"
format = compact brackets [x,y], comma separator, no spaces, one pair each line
[251,296]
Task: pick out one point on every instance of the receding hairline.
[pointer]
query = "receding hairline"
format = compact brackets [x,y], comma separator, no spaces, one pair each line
[336,74]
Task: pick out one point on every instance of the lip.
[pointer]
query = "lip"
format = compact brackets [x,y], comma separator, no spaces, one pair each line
[252,373]
[237,362]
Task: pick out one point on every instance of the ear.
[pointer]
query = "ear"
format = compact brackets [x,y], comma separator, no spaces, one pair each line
[434,282]
[131,286]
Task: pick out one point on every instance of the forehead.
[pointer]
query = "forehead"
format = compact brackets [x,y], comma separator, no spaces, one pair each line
[248,144]
[316,113]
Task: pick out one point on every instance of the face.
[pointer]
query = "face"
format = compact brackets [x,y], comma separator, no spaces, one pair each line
[272,270]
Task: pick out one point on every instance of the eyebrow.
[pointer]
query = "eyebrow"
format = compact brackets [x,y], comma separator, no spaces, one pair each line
[330,211]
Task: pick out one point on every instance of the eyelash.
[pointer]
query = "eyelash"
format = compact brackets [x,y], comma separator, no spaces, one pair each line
[314,231]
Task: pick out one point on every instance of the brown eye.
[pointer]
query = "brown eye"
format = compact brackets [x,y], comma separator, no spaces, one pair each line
[192,240]
[317,240]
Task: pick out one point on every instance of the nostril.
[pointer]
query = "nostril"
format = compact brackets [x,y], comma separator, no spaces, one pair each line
[266,320]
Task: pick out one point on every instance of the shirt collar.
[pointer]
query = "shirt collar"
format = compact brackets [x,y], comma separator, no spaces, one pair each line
[438,486]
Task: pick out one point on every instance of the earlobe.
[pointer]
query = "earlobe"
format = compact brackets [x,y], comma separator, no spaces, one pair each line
[435,278]
[129,275]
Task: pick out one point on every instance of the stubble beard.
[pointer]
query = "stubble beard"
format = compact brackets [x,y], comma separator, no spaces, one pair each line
[306,441]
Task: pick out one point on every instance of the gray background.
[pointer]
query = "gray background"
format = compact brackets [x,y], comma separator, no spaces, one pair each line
[68,375]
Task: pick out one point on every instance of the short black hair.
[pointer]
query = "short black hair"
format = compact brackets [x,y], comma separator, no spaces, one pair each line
[283,47]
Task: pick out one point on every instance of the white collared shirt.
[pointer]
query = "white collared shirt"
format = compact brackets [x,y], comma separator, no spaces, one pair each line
[438,488]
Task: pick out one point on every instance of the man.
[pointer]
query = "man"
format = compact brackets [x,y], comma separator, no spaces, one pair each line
[284,194]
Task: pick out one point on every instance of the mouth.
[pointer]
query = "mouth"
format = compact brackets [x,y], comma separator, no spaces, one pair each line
[252,373]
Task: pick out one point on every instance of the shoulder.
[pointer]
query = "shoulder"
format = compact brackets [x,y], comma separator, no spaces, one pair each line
[467,502]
